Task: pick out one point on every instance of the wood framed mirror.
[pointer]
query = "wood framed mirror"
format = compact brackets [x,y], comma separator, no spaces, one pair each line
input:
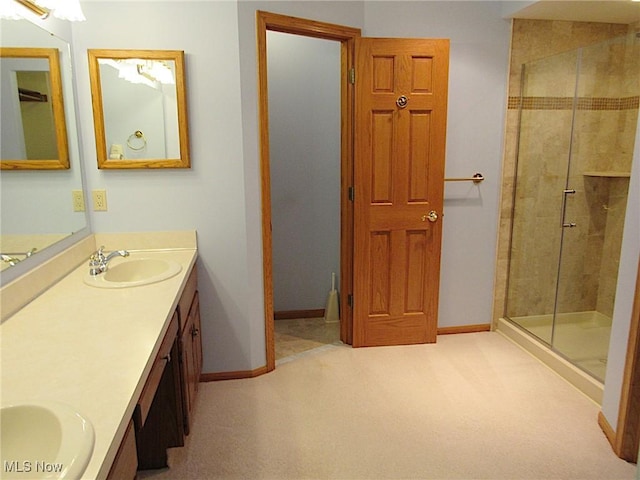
[33,127]
[139,108]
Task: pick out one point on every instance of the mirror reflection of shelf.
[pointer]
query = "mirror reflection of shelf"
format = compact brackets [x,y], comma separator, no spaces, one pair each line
[25,95]
[608,174]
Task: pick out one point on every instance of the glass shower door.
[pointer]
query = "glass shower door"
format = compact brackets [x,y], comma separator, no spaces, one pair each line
[578,118]
[595,198]
[544,143]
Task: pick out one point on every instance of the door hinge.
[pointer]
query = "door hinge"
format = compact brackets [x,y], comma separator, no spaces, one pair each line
[352,194]
[352,76]
[350,300]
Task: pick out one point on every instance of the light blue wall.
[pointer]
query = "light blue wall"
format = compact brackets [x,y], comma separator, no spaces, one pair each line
[477,93]
[344,13]
[210,196]
[220,195]
[304,140]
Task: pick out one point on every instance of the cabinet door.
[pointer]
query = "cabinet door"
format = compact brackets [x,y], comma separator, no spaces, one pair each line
[188,369]
[164,427]
[196,341]
[125,465]
[191,346]
[157,371]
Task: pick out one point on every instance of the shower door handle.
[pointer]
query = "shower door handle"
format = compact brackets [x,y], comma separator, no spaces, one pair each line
[564,208]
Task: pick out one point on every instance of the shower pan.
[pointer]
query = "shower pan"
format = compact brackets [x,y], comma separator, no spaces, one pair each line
[578,113]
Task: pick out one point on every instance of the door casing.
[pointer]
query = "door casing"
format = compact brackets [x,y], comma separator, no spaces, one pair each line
[346,36]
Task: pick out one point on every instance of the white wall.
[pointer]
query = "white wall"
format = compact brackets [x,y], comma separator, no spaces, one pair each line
[304,138]
[509,8]
[477,93]
[627,274]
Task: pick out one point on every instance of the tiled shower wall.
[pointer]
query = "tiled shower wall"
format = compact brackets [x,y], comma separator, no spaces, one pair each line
[599,202]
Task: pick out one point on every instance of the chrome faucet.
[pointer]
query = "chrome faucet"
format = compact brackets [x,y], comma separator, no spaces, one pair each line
[12,258]
[98,262]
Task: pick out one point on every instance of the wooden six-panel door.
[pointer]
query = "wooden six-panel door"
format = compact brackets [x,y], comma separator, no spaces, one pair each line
[401,115]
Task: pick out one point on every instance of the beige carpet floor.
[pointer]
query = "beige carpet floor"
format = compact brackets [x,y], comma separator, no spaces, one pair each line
[472,406]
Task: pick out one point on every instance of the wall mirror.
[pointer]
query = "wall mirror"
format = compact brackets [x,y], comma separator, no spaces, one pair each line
[139,108]
[37,217]
[33,131]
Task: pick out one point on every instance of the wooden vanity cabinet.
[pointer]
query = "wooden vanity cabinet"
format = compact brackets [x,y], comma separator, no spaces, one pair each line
[157,416]
[190,346]
[125,465]
[163,411]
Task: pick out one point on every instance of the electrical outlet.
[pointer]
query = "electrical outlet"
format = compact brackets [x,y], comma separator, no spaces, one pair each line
[78,200]
[100,200]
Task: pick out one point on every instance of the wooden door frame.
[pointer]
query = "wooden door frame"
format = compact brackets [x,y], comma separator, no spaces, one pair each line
[625,440]
[346,36]
[628,432]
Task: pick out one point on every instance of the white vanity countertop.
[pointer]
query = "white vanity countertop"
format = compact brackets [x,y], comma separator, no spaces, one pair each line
[91,348]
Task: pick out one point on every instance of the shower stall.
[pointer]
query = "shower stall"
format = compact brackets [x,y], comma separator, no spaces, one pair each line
[578,113]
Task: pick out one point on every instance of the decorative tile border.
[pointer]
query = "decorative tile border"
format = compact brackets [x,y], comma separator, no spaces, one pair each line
[566,103]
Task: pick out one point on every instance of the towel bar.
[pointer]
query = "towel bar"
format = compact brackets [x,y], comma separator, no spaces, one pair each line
[477,178]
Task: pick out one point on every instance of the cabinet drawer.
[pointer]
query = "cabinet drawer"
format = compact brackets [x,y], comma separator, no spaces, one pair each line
[187,296]
[149,391]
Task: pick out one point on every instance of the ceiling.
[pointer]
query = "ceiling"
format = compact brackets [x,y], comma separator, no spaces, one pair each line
[604,11]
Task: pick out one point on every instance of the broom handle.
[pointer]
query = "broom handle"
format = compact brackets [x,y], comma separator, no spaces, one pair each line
[333,281]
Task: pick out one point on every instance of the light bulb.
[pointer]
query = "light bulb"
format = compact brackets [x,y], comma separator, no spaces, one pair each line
[9,10]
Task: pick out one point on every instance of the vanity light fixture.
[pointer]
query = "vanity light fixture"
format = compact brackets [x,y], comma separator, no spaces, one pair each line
[10,10]
[62,9]
[39,11]
[157,71]
[138,70]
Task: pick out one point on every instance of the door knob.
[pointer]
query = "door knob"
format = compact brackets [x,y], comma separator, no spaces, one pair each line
[432,216]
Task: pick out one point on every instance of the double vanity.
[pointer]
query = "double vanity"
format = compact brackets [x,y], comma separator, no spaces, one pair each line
[122,353]
[98,372]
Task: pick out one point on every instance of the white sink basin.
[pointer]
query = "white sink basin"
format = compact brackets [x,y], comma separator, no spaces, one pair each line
[133,272]
[44,440]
